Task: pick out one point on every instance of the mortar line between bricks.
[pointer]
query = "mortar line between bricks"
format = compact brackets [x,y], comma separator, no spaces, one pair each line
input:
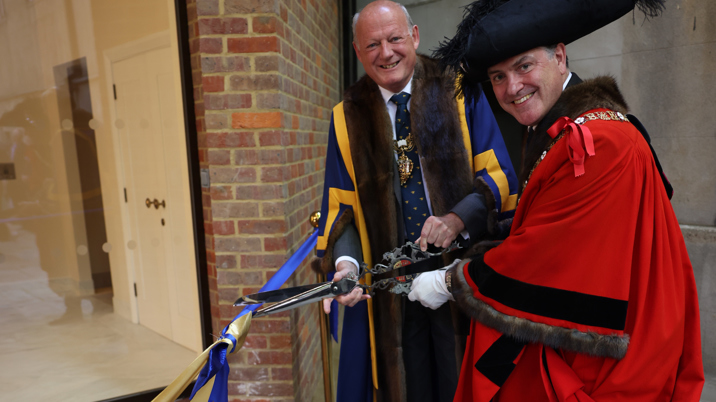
[306,71]
[298,48]
[301,84]
[320,42]
[283,40]
[235,54]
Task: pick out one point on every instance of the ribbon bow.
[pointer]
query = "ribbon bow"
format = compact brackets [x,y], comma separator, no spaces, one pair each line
[579,139]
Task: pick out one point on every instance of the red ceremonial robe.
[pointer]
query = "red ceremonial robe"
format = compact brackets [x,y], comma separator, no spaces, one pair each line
[592,296]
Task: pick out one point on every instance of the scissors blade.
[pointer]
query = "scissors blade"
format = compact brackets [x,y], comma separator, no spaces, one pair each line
[273,296]
[308,297]
[312,295]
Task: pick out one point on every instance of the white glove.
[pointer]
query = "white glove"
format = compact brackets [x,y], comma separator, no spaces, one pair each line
[429,288]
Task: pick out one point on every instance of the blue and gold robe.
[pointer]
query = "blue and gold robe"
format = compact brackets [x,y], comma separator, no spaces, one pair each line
[458,141]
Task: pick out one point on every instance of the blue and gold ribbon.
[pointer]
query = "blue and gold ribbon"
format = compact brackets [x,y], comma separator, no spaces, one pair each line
[212,365]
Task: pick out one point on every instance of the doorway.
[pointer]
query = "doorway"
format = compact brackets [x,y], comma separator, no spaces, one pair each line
[153,173]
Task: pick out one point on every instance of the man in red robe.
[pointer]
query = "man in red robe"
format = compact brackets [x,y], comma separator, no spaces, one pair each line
[592,295]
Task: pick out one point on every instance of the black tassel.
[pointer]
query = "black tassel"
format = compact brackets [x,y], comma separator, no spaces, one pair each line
[650,8]
[451,52]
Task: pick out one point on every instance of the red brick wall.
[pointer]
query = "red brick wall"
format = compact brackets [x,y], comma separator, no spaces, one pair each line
[266,75]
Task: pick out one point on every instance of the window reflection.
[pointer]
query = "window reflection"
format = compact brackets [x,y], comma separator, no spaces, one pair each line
[84,264]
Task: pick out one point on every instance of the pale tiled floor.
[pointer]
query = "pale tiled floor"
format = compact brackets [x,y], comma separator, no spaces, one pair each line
[86,356]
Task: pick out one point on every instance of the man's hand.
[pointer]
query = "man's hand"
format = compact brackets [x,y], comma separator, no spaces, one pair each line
[440,231]
[430,290]
[349,299]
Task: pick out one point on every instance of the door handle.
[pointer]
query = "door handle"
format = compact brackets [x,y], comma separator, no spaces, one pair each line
[156,203]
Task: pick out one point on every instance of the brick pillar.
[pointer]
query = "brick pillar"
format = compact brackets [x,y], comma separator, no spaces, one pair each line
[266,75]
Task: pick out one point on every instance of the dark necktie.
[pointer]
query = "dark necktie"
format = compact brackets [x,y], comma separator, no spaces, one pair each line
[530,134]
[415,204]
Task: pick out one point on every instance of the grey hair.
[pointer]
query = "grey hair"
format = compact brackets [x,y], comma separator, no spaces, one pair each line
[402,7]
[550,51]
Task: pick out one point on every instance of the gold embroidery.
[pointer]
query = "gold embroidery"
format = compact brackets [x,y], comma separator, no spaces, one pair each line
[605,115]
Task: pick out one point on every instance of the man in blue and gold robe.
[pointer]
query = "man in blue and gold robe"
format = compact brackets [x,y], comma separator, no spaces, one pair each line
[374,200]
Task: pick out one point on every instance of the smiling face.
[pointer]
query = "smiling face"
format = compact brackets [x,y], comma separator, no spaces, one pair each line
[385,45]
[529,84]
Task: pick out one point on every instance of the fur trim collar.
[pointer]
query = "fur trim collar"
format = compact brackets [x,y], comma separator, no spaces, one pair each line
[524,330]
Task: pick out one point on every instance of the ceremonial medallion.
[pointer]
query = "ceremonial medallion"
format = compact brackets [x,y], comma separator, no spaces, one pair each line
[405,164]
[405,168]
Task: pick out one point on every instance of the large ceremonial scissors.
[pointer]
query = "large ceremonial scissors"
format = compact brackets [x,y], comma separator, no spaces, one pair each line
[400,267]
[289,298]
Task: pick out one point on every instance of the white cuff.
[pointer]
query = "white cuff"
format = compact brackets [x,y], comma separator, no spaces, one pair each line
[349,259]
[441,286]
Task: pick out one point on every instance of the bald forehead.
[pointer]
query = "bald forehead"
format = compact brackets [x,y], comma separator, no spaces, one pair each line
[380,9]
[381,6]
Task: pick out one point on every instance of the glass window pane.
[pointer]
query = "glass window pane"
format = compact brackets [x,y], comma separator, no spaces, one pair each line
[98,293]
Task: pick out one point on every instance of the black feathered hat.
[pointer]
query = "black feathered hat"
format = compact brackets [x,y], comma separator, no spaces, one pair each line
[494,30]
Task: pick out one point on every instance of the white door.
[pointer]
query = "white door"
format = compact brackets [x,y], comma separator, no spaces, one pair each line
[154,167]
